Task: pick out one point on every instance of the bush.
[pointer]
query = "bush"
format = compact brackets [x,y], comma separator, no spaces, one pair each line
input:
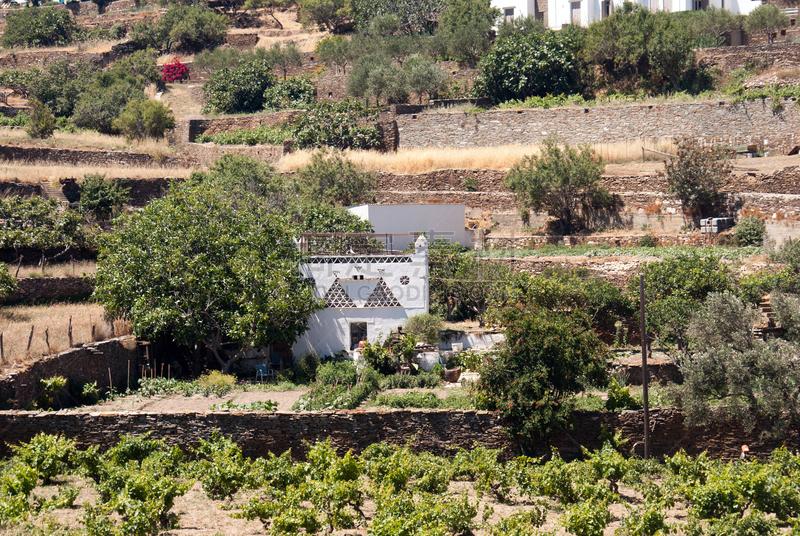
[182,28]
[305,368]
[174,71]
[337,373]
[38,223]
[140,65]
[104,102]
[144,119]
[547,357]
[749,231]
[620,398]
[526,65]
[696,175]
[425,327]
[337,124]
[42,124]
[34,27]
[334,179]
[239,90]
[293,93]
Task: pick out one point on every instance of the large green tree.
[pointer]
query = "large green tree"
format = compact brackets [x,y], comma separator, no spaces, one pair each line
[206,266]
[465,25]
[635,47]
[34,27]
[562,180]
[533,64]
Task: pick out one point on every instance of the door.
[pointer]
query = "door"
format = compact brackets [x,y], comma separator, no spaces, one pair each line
[358,333]
[575,8]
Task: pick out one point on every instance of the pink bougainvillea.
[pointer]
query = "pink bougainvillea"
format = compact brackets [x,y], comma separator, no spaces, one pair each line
[174,71]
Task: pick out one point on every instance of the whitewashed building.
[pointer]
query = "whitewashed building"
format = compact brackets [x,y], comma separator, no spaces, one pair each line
[366,295]
[445,221]
[558,13]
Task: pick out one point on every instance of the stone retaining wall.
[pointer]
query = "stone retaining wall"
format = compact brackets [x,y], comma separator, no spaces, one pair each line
[436,431]
[208,153]
[35,289]
[783,55]
[751,122]
[88,363]
[76,157]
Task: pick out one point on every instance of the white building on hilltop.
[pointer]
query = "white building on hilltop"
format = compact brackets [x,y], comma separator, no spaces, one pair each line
[558,13]
[367,296]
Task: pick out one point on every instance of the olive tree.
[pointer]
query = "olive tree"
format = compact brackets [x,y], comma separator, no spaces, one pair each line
[207,266]
[562,180]
[766,19]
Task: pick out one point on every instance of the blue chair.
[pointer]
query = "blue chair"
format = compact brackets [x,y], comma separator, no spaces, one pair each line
[277,360]
[264,372]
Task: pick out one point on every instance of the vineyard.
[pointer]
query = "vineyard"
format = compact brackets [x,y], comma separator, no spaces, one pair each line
[139,487]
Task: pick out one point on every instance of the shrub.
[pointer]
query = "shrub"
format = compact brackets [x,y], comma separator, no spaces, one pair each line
[101,198]
[174,71]
[696,175]
[184,28]
[647,241]
[340,373]
[546,358]
[34,27]
[38,223]
[140,65]
[240,89]
[216,382]
[144,119]
[749,231]
[620,397]
[337,124]
[305,368]
[104,102]
[332,178]
[42,124]
[425,327]
[296,92]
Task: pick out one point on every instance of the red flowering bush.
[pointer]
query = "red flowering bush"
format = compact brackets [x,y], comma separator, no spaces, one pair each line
[546,358]
[174,71]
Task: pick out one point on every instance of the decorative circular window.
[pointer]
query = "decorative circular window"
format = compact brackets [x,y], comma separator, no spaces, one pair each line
[404,280]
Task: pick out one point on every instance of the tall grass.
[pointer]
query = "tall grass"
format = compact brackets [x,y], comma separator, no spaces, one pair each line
[65,269]
[31,172]
[422,160]
[89,139]
[16,322]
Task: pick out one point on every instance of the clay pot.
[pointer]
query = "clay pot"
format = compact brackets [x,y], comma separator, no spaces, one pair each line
[452,375]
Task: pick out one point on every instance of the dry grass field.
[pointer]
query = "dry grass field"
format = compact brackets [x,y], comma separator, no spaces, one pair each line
[31,172]
[422,160]
[85,139]
[66,269]
[54,320]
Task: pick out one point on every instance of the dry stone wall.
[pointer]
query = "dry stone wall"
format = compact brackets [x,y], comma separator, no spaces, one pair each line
[76,157]
[436,431]
[33,289]
[88,363]
[782,55]
[751,122]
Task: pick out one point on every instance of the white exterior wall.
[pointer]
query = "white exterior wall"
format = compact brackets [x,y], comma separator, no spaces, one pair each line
[436,221]
[329,329]
[560,11]
[522,8]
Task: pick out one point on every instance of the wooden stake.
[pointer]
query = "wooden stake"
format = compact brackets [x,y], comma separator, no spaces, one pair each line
[72,260]
[169,369]
[16,274]
[47,339]
[92,332]
[129,375]
[69,331]
[30,339]
[162,369]
[110,384]
[2,351]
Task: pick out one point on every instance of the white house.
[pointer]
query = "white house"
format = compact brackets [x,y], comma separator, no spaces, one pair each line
[436,221]
[367,296]
[558,13]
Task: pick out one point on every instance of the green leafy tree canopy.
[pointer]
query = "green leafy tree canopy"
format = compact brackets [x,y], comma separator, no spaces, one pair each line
[206,266]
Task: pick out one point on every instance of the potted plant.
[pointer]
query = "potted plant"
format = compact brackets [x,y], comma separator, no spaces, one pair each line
[452,371]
